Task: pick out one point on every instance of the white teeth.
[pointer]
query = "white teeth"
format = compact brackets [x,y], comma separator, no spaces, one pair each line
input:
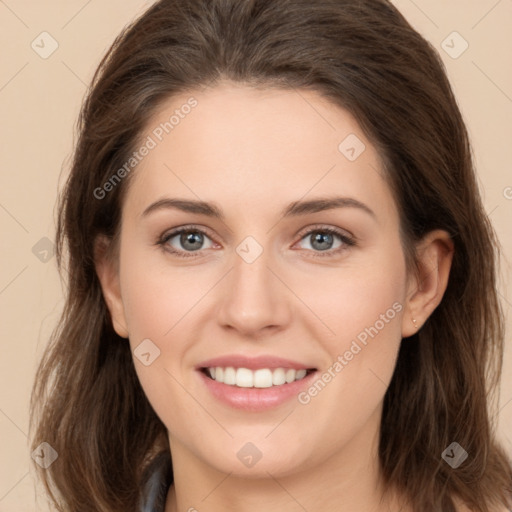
[300,374]
[290,376]
[230,376]
[244,378]
[278,377]
[262,378]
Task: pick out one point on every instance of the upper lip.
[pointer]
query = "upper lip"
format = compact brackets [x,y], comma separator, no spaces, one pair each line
[253,363]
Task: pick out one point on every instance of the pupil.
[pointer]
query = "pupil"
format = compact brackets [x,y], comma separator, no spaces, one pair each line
[322,238]
[190,238]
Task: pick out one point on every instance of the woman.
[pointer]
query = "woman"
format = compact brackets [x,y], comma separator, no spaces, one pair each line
[281,276]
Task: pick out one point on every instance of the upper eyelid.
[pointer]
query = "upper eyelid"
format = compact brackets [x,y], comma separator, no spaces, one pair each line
[192,227]
[323,227]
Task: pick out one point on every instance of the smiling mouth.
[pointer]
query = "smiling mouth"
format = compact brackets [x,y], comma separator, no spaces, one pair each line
[261,378]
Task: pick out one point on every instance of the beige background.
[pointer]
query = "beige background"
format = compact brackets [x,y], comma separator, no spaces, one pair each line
[39,102]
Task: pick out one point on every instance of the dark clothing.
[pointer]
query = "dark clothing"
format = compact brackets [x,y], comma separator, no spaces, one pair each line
[158,478]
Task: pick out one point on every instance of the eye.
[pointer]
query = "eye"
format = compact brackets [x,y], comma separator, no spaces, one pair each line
[327,241]
[187,239]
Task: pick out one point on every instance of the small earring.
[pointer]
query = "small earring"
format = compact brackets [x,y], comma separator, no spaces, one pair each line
[415,323]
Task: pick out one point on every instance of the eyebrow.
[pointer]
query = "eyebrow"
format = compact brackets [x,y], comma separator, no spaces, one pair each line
[294,209]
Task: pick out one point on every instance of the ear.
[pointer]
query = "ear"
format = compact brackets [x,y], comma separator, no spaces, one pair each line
[426,288]
[107,269]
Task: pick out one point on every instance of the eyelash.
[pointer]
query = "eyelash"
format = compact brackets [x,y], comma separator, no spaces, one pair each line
[347,241]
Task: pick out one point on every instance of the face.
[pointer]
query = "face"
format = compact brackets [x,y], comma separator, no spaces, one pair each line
[295,263]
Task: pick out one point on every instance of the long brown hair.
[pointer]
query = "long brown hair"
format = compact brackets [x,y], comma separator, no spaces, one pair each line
[362,55]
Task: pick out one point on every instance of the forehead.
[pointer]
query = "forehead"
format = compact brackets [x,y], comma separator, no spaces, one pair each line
[255,148]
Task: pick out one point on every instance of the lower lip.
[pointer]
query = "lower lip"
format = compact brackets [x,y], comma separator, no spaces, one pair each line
[255,399]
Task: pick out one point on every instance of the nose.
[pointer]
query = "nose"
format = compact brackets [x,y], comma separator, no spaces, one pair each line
[253,299]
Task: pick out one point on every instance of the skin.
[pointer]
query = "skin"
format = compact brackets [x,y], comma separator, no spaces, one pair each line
[252,152]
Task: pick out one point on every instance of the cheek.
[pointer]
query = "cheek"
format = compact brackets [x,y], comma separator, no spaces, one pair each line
[358,301]
[158,306]
[362,306]
[156,300]
[364,311]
